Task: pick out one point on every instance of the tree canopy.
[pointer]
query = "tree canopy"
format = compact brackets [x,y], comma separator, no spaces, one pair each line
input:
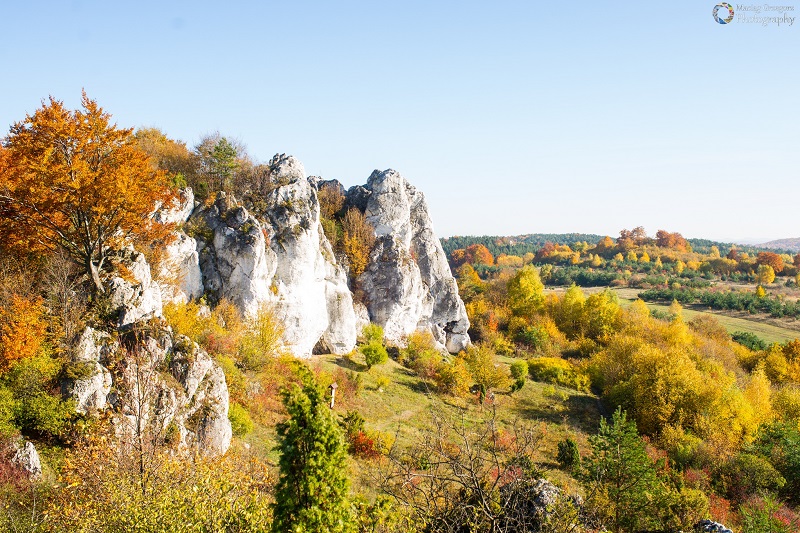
[74,181]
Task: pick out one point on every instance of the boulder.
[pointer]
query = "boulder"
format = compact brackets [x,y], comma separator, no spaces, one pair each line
[709,526]
[26,458]
[408,282]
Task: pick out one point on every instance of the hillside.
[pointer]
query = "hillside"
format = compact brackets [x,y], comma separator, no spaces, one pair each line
[792,245]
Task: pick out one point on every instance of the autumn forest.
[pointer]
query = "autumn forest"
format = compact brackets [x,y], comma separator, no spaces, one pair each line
[627,383]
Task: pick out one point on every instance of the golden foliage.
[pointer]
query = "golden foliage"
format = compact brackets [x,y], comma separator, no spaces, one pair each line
[74,181]
[359,238]
[22,330]
[101,489]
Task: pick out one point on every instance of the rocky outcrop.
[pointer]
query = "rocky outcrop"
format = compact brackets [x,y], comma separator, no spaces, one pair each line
[179,274]
[235,260]
[88,381]
[180,277]
[26,458]
[178,211]
[154,379]
[133,294]
[313,298]
[280,258]
[277,254]
[408,282]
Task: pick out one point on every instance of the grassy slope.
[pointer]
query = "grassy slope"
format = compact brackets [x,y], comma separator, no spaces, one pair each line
[404,407]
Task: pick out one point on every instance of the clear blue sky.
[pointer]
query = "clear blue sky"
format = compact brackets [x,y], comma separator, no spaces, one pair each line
[512,117]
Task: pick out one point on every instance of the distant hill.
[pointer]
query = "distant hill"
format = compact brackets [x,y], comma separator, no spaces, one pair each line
[793,245]
[517,244]
[522,244]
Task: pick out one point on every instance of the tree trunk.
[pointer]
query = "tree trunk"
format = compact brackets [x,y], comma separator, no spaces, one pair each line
[95,274]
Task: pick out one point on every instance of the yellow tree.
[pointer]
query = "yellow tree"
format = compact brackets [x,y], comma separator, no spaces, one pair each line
[765,274]
[72,180]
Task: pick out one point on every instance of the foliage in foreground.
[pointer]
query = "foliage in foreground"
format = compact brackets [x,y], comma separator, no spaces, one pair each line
[312,492]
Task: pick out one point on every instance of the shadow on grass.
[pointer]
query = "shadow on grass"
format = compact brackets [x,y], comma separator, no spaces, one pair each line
[578,410]
[349,364]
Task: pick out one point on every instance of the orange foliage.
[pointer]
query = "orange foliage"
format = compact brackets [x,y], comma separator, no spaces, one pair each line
[629,238]
[479,254]
[475,254]
[21,330]
[605,244]
[771,259]
[74,181]
[665,239]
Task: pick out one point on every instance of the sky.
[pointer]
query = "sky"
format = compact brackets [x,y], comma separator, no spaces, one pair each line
[511,117]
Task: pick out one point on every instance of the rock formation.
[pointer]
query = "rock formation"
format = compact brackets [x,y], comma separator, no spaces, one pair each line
[90,382]
[134,295]
[408,282]
[276,254]
[155,379]
[282,260]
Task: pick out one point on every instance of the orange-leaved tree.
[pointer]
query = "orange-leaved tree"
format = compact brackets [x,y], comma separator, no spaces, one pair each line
[22,330]
[72,180]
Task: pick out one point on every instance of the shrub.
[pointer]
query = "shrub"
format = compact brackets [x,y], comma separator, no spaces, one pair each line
[364,445]
[382,382]
[519,369]
[374,354]
[481,363]
[418,344]
[568,455]
[532,336]
[372,333]
[241,424]
[558,372]
[261,341]
[7,408]
[786,402]
[453,377]
[750,340]
[747,474]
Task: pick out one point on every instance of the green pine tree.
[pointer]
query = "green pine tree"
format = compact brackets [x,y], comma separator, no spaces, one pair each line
[621,478]
[311,494]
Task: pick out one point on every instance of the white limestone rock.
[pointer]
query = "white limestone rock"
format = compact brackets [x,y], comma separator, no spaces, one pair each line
[313,299]
[236,264]
[408,282]
[180,277]
[91,387]
[27,458]
[285,169]
[179,210]
[138,298]
[161,380]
